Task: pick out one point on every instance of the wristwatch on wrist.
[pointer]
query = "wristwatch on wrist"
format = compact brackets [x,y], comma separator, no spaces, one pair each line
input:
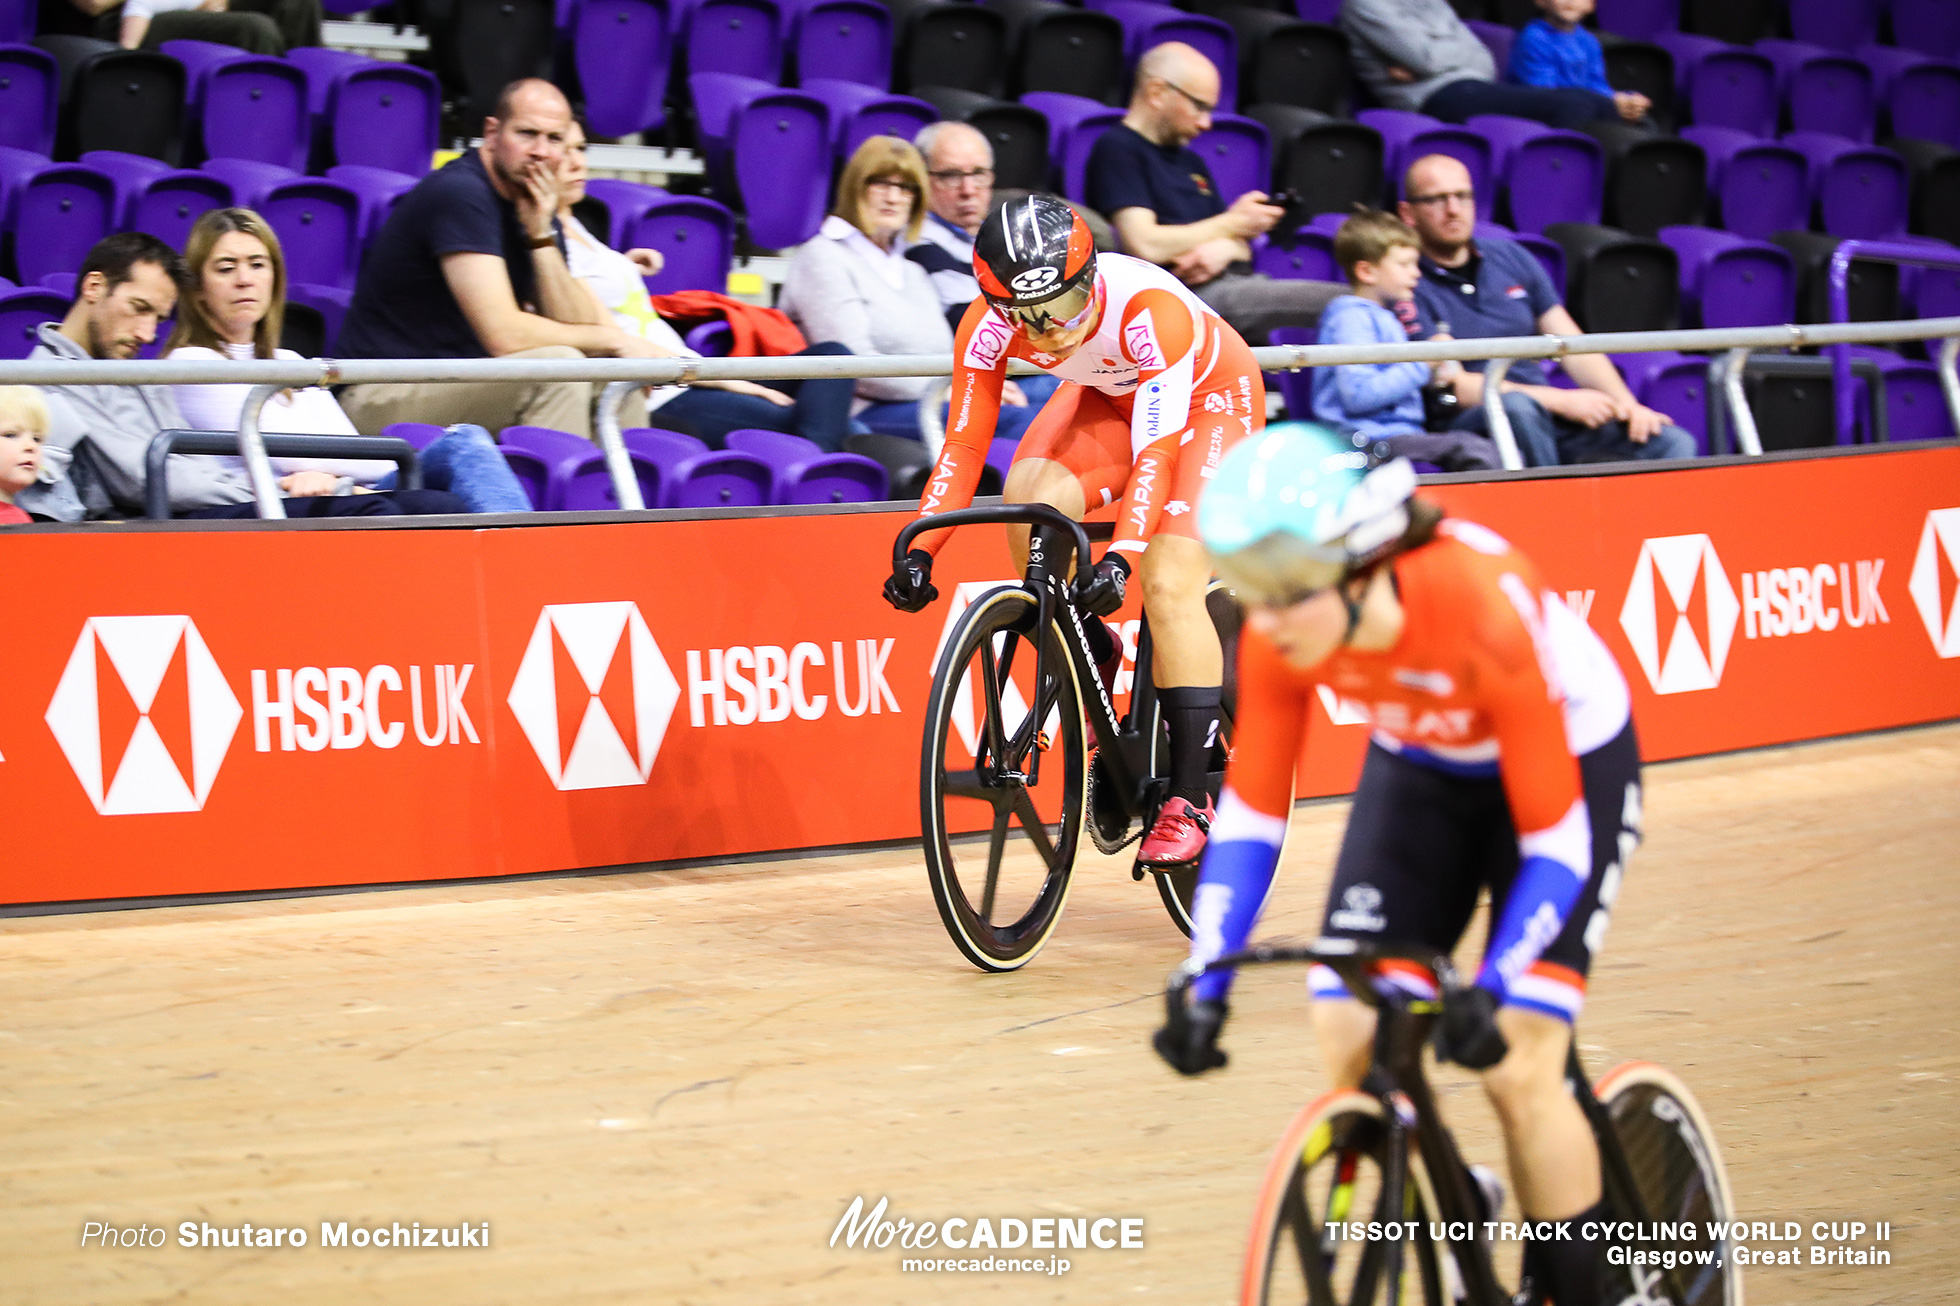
[539,242]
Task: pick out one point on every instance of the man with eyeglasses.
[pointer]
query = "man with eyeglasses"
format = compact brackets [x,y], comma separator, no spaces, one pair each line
[1160,197]
[1488,287]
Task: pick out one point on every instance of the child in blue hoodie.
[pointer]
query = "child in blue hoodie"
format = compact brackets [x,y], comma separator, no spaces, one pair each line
[1556,51]
[1379,404]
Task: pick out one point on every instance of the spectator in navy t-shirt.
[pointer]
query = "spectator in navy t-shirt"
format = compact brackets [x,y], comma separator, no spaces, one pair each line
[1158,194]
[471,264]
[1490,287]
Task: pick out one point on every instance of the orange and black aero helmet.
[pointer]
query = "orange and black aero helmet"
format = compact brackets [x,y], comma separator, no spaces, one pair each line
[1036,264]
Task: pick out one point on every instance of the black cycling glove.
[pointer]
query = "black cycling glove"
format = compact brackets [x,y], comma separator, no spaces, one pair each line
[1189,1038]
[1101,593]
[910,587]
[1468,1034]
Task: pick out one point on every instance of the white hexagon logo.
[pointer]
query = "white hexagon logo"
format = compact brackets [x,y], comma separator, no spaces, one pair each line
[594,694]
[1682,564]
[157,726]
[1935,581]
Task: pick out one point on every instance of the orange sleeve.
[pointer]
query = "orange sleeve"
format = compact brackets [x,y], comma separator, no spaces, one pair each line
[1269,727]
[1161,338]
[980,353]
[1510,659]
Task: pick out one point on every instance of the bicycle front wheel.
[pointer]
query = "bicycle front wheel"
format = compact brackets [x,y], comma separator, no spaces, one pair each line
[1332,1166]
[1678,1170]
[1004,750]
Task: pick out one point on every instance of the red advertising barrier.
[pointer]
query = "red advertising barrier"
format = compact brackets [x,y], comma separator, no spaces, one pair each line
[246,710]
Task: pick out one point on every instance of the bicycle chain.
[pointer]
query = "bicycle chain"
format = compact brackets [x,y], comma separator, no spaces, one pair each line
[1103,844]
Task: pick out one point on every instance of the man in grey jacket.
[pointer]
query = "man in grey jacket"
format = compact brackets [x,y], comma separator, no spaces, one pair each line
[99,435]
[1417,54]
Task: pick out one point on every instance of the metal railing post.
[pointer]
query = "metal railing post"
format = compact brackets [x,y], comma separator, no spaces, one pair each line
[626,485]
[251,447]
[1496,420]
[1741,420]
[932,427]
[1950,379]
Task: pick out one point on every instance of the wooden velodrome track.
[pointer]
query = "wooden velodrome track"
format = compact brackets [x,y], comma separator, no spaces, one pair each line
[666,1087]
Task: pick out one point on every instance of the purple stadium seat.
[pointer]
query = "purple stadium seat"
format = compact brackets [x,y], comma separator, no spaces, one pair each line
[1920,94]
[1075,123]
[1859,190]
[30,91]
[1310,259]
[1544,175]
[17,19]
[21,312]
[1549,253]
[419,434]
[710,339]
[849,40]
[248,180]
[6,285]
[61,283]
[1671,383]
[692,477]
[1238,153]
[858,112]
[625,201]
[1295,387]
[319,226]
[1147,25]
[243,106]
[743,37]
[1000,456]
[1823,90]
[1408,136]
[1639,20]
[58,215]
[383,115]
[322,66]
[1497,39]
[1722,85]
[770,148]
[331,304]
[132,173]
[1727,281]
[1759,186]
[1318,11]
[170,205]
[1929,26]
[696,237]
[1835,24]
[622,50]
[16,168]
[576,477]
[378,189]
[804,473]
[1915,407]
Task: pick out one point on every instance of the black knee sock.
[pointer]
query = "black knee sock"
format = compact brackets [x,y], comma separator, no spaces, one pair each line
[1192,714]
[1571,1269]
[1102,640]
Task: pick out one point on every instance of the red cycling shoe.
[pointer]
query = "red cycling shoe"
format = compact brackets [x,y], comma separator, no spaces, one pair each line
[1178,836]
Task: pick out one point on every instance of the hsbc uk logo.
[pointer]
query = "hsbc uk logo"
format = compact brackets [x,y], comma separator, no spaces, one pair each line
[593,695]
[1935,580]
[1680,613]
[143,715]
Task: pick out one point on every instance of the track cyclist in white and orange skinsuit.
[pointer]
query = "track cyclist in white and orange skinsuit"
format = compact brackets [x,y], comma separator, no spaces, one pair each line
[1503,758]
[1156,387]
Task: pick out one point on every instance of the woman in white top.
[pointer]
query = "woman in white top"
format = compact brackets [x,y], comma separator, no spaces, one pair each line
[853,283]
[817,410]
[235,309]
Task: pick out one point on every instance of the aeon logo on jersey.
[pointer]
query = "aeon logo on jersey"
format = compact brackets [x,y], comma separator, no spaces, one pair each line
[143,707]
[594,694]
[1680,614]
[1935,580]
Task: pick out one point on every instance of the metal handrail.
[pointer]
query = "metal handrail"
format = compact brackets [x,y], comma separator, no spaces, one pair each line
[287,374]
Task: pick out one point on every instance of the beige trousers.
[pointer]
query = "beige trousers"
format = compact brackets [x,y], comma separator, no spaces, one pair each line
[493,405]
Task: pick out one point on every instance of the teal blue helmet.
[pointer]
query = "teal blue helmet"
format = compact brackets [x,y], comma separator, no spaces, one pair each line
[1296,508]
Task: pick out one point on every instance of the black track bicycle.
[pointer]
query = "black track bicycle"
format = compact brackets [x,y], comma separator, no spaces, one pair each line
[1021,733]
[1383,1154]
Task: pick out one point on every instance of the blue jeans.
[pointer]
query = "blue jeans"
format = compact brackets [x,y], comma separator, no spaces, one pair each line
[465,462]
[902,420]
[1555,106]
[821,414]
[1548,441]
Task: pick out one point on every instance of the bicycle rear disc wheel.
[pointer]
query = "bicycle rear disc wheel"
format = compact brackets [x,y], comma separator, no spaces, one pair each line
[1179,888]
[988,768]
[1678,1169]
[1328,1168]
